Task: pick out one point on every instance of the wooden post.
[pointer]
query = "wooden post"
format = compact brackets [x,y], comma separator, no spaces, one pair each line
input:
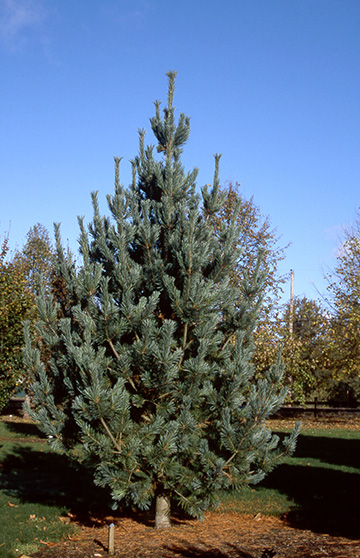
[291,321]
[111,549]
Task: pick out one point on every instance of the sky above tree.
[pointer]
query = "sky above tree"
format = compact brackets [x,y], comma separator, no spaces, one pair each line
[273,86]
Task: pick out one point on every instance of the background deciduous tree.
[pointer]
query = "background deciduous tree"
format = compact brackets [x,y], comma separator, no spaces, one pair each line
[305,349]
[36,258]
[256,235]
[344,301]
[16,305]
[18,288]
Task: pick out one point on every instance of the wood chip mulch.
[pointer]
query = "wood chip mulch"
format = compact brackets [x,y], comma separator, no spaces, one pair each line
[224,535]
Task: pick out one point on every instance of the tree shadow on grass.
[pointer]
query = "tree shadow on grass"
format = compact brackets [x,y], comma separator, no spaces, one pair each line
[328,499]
[24,429]
[33,475]
[337,451]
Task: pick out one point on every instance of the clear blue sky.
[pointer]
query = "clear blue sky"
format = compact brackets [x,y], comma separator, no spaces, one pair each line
[273,85]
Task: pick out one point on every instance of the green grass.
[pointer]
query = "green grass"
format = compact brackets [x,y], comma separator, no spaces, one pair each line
[37,487]
[26,518]
[317,488]
[267,501]
[24,525]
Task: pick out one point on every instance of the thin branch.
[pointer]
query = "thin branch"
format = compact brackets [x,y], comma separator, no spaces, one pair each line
[110,435]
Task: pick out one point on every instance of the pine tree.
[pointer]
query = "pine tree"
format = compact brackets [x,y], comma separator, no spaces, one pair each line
[150,348]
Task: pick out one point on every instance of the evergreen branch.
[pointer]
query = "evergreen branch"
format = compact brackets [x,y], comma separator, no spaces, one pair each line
[185,335]
[89,435]
[230,459]
[227,342]
[117,356]
[182,496]
[110,435]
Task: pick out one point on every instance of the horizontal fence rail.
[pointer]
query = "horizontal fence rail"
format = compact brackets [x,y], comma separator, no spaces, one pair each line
[316,407]
[15,406]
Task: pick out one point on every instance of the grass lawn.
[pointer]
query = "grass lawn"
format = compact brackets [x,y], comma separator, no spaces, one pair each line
[318,488]
[37,487]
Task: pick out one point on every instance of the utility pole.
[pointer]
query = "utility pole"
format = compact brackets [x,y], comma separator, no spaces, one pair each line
[291,316]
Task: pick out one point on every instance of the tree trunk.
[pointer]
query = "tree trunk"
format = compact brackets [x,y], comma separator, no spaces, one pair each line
[25,414]
[162,515]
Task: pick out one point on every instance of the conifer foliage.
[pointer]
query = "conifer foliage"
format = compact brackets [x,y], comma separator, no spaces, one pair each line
[149,373]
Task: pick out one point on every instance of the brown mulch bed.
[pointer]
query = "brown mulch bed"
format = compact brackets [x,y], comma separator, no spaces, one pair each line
[218,536]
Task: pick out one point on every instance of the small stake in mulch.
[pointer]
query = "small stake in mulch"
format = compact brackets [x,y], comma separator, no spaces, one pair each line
[111,539]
